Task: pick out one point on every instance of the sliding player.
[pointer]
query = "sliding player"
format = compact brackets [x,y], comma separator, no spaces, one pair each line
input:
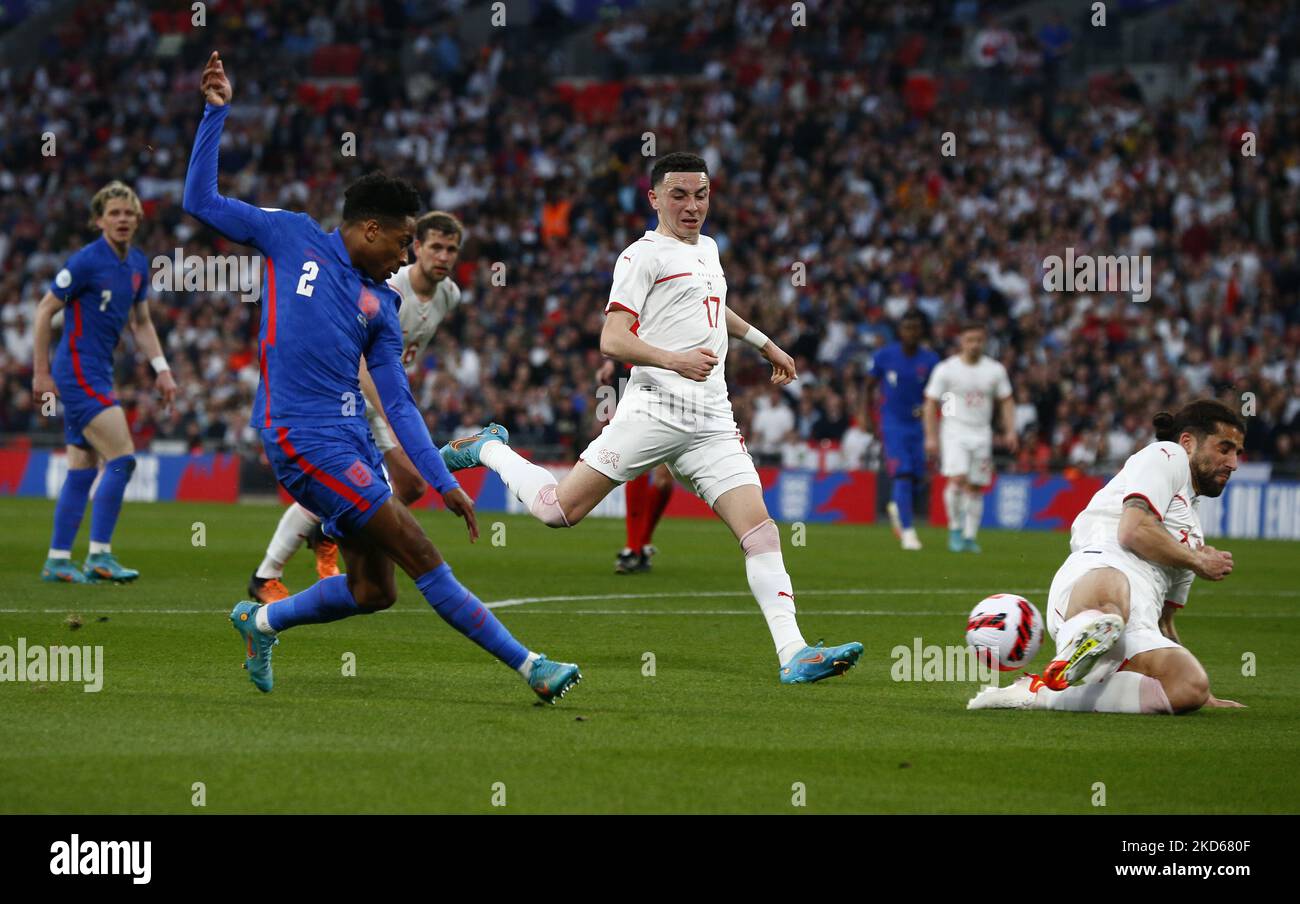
[667,316]
[1134,552]
[901,370]
[105,286]
[966,385]
[327,306]
[428,295]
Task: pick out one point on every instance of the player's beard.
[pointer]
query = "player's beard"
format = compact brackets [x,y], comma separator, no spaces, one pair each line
[1205,478]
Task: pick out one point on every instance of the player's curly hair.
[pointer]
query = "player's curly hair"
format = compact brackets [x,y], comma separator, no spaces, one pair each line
[111,192]
[379,196]
[1200,418]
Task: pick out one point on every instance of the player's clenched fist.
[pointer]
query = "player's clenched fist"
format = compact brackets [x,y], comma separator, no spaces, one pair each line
[696,364]
[214,84]
[1213,564]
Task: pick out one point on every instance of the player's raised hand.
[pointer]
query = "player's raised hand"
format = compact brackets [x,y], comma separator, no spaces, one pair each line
[1213,564]
[459,503]
[166,385]
[783,369]
[696,364]
[214,84]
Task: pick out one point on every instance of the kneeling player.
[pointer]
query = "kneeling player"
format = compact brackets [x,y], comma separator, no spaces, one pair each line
[1135,550]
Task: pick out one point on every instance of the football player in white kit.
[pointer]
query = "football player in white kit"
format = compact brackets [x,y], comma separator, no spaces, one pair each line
[965,385]
[667,316]
[428,296]
[1133,554]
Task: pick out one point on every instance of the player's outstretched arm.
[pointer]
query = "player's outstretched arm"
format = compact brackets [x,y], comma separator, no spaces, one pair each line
[783,369]
[408,426]
[237,221]
[617,341]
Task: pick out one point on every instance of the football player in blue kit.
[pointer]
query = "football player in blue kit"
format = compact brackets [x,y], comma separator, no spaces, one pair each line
[326,304]
[100,289]
[901,370]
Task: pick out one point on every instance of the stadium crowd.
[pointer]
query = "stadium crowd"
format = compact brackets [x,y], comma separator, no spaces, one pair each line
[833,207]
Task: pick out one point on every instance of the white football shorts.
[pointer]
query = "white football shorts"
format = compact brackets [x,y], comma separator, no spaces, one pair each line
[969,455]
[1146,603]
[704,451]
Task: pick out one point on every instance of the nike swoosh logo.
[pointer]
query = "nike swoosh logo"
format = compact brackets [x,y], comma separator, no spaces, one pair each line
[814,659]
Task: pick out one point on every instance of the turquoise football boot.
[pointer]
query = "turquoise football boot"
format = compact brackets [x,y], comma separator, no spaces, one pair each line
[956,543]
[815,663]
[257,646]
[969,545]
[64,571]
[552,680]
[101,566]
[464,452]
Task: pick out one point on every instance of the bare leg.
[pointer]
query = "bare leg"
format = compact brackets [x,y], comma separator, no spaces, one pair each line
[1180,674]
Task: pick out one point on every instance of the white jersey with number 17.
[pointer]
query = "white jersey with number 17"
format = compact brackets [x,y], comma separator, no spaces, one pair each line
[678,294]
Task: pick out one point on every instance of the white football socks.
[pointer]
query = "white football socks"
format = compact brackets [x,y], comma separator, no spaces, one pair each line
[1070,629]
[954,503]
[296,525]
[1122,692]
[526,667]
[523,478]
[774,594]
[974,512]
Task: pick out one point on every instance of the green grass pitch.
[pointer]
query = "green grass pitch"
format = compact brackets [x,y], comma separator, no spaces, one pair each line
[429,723]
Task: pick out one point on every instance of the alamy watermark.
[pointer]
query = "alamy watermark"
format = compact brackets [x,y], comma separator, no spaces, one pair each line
[183,272]
[37,663]
[1098,273]
[960,663]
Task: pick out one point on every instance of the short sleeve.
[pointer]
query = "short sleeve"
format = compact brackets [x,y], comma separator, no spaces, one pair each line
[70,279]
[1178,590]
[633,278]
[878,365]
[936,386]
[1159,472]
[1004,383]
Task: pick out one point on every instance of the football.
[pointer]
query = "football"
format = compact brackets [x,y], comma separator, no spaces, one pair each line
[1007,627]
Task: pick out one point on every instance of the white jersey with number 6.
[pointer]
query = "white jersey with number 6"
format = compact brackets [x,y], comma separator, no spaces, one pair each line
[420,318]
[679,296]
[965,393]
